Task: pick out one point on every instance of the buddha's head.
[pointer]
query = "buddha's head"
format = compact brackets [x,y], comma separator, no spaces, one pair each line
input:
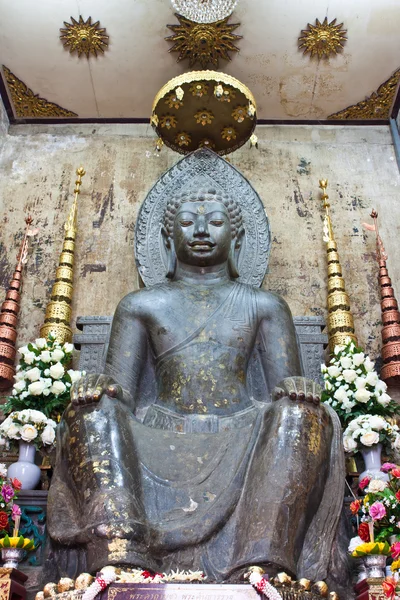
[203,228]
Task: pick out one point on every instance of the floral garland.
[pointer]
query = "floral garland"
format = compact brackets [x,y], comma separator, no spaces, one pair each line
[263,586]
[102,581]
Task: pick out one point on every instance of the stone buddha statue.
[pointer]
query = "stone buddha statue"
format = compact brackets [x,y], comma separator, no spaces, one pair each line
[173,458]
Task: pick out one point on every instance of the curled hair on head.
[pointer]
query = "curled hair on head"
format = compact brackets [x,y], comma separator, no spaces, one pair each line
[233,208]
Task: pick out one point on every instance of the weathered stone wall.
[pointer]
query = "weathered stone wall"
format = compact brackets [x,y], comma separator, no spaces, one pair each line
[38,166]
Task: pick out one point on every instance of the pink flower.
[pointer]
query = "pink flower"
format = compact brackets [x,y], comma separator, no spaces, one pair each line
[15,512]
[364,482]
[377,511]
[386,467]
[395,550]
[7,492]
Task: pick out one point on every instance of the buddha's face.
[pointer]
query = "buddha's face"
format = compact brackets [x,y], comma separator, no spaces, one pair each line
[202,233]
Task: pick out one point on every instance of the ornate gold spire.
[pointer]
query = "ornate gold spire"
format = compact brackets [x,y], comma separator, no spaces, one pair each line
[9,314]
[340,319]
[58,311]
[390,371]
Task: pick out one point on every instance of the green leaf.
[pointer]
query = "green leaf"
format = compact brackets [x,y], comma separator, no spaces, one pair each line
[20,543]
[6,542]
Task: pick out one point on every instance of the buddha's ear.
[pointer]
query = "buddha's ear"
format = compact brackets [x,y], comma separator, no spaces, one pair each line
[234,254]
[239,239]
[169,245]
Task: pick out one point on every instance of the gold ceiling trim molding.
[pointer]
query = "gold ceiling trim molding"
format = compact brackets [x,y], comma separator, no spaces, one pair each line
[28,104]
[203,43]
[322,39]
[84,37]
[376,106]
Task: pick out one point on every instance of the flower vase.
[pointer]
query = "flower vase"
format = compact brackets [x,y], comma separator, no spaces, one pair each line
[372,461]
[11,557]
[25,469]
[375,565]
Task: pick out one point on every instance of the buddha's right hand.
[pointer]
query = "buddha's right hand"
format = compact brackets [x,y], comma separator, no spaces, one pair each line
[90,389]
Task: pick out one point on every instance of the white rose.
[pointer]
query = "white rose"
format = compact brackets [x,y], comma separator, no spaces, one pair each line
[377,423]
[349,444]
[383,399]
[346,362]
[369,438]
[23,350]
[349,375]
[376,485]
[338,349]
[324,368]
[381,386]
[334,371]
[14,432]
[20,385]
[48,435]
[52,423]
[45,356]
[358,359]
[68,347]
[328,386]
[396,443]
[29,358]
[360,383]
[57,354]
[36,388]
[362,395]
[28,432]
[58,388]
[19,376]
[46,391]
[340,394]
[41,343]
[33,374]
[3,470]
[368,364]
[372,378]
[37,416]
[352,426]
[75,375]
[57,371]
[354,543]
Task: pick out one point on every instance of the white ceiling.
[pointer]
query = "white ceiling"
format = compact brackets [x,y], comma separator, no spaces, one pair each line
[124,81]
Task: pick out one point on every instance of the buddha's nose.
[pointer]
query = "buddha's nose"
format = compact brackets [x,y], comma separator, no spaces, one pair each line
[201,227]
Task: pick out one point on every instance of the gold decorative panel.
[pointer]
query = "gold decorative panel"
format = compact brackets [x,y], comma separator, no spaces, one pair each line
[84,37]
[203,43]
[377,106]
[28,104]
[322,39]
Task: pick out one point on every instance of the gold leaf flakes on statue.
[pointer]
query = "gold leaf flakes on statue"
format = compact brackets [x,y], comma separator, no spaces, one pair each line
[203,43]
[172,101]
[84,37]
[183,139]
[28,104]
[228,133]
[199,89]
[376,106]
[322,39]
[204,117]
[240,113]
[168,121]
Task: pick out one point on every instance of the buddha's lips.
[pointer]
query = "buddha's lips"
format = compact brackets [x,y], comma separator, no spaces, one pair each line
[201,245]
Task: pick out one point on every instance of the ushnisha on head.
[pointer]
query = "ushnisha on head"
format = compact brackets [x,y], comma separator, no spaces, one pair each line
[203,229]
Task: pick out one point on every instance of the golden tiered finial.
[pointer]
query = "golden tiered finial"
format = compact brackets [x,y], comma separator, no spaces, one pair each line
[340,319]
[58,311]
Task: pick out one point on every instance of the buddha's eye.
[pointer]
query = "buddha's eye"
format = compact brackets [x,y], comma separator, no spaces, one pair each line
[186,223]
[217,223]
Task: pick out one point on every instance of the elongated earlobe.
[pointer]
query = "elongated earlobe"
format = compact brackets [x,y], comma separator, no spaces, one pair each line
[170,248]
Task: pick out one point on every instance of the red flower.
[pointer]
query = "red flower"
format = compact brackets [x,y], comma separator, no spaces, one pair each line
[398,495]
[364,482]
[395,473]
[363,532]
[3,519]
[355,507]
[395,550]
[16,483]
[147,574]
[389,587]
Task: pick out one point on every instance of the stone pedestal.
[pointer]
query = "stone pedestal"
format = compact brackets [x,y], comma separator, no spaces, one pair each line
[12,584]
[370,589]
[178,591]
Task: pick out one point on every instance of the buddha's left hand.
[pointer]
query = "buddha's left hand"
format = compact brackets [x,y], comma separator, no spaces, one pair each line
[298,389]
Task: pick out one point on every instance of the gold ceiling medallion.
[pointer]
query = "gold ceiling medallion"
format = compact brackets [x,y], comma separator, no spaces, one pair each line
[377,106]
[323,39]
[28,104]
[203,43]
[83,37]
[204,109]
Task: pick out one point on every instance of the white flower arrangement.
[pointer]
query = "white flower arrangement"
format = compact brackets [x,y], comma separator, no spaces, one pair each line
[43,381]
[353,387]
[30,426]
[368,430]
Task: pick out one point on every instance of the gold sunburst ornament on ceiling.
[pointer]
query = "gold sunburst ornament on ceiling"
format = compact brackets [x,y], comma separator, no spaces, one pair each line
[203,43]
[84,37]
[323,39]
